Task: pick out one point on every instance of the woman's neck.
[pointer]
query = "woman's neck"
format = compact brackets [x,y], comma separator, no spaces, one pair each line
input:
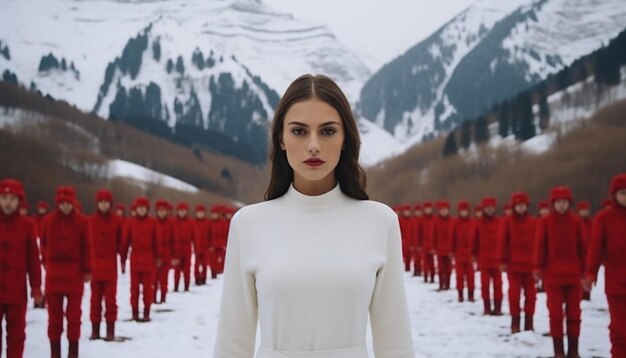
[314,188]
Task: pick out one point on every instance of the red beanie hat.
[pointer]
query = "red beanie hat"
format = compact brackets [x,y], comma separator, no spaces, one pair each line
[427,204]
[65,194]
[404,207]
[216,208]
[544,205]
[561,192]
[120,207]
[478,208]
[141,201]
[162,204]
[520,198]
[443,204]
[12,186]
[617,183]
[417,207]
[200,207]
[182,206]
[24,204]
[42,205]
[583,205]
[104,195]
[463,205]
[489,201]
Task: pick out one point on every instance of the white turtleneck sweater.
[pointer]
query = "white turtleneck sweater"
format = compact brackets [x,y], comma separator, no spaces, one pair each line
[310,269]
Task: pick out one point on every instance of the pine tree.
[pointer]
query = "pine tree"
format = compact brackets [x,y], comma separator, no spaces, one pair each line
[544,113]
[153,101]
[450,147]
[466,134]
[180,66]
[63,64]
[481,130]
[197,58]
[169,66]
[527,122]
[156,50]
[118,109]
[503,120]
[136,106]
[48,62]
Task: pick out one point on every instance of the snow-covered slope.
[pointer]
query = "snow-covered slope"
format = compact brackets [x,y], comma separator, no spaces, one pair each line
[249,53]
[487,53]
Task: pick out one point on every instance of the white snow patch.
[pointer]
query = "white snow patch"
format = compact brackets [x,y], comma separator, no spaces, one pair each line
[122,168]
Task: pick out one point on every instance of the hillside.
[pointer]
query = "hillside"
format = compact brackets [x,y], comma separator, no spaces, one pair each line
[46,143]
[584,158]
[486,54]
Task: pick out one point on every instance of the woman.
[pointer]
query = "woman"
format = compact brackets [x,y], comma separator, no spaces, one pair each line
[314,259]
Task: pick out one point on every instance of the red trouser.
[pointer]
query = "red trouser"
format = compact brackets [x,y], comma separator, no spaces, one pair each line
[406,256]
[486,276]
[161,279]
[465,272]
[200,266]
[16,329]
[569,296]
[73,313]
[184,266]
[146,280]
[218,260]
[106,290]
[417,261]
[517,282]
[444,268]
[429,266]
[617,328]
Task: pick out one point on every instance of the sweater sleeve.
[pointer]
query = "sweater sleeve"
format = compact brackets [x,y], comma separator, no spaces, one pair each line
[236,330]
[389,314]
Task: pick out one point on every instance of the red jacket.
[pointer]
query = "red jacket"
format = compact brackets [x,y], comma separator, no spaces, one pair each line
[461,240]
[142,235]
[202,237]
[560,248]
[413,242]
[66,251]
[168,246]
[517,242]
[425,239]
[486,242]
[608,246]
[184,235]
[19,256]
[588,224]
[440,233]
[220,233]
[106,232]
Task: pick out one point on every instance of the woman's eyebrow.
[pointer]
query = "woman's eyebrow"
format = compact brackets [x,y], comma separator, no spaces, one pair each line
[295,123]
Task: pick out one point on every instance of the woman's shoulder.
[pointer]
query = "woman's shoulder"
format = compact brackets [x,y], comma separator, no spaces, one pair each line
[370,209]
[254,211]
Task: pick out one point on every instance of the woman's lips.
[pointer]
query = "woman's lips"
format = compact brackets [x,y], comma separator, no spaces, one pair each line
[314,162]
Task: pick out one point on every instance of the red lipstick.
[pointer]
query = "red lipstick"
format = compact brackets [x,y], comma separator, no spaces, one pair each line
[314,162]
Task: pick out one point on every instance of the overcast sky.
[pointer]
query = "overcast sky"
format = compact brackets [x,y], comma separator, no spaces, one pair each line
[378,30]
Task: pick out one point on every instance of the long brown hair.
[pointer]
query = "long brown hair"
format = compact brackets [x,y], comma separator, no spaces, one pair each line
[349,174]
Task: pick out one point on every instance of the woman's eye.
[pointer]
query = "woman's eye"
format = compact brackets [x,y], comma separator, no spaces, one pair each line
[298,131]
[329,131]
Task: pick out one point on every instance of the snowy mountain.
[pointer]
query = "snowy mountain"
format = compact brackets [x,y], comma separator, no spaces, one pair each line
[489,52]
[216,65]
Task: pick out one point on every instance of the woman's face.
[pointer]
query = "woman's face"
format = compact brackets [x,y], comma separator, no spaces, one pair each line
[313,137]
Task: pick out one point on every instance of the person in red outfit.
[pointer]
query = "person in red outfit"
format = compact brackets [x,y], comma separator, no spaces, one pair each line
[24,207]
[184,235]
[486,246]
[120,210]
[141,233]
[461,246]
[168,250]
[406,231]
[105,231]
[544,209]
[66,253]
[607,203]
[517,238]
[559,259]
[414,243]
[478,212]
[19,260]
[583,208]
[508,209]
[440,234]
[426,242]
[608,246]
[218,243]
[202,241]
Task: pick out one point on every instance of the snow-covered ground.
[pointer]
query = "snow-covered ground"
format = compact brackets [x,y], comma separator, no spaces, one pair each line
[186,326]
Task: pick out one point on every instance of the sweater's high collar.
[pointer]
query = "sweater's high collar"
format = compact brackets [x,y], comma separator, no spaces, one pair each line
[325,201]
